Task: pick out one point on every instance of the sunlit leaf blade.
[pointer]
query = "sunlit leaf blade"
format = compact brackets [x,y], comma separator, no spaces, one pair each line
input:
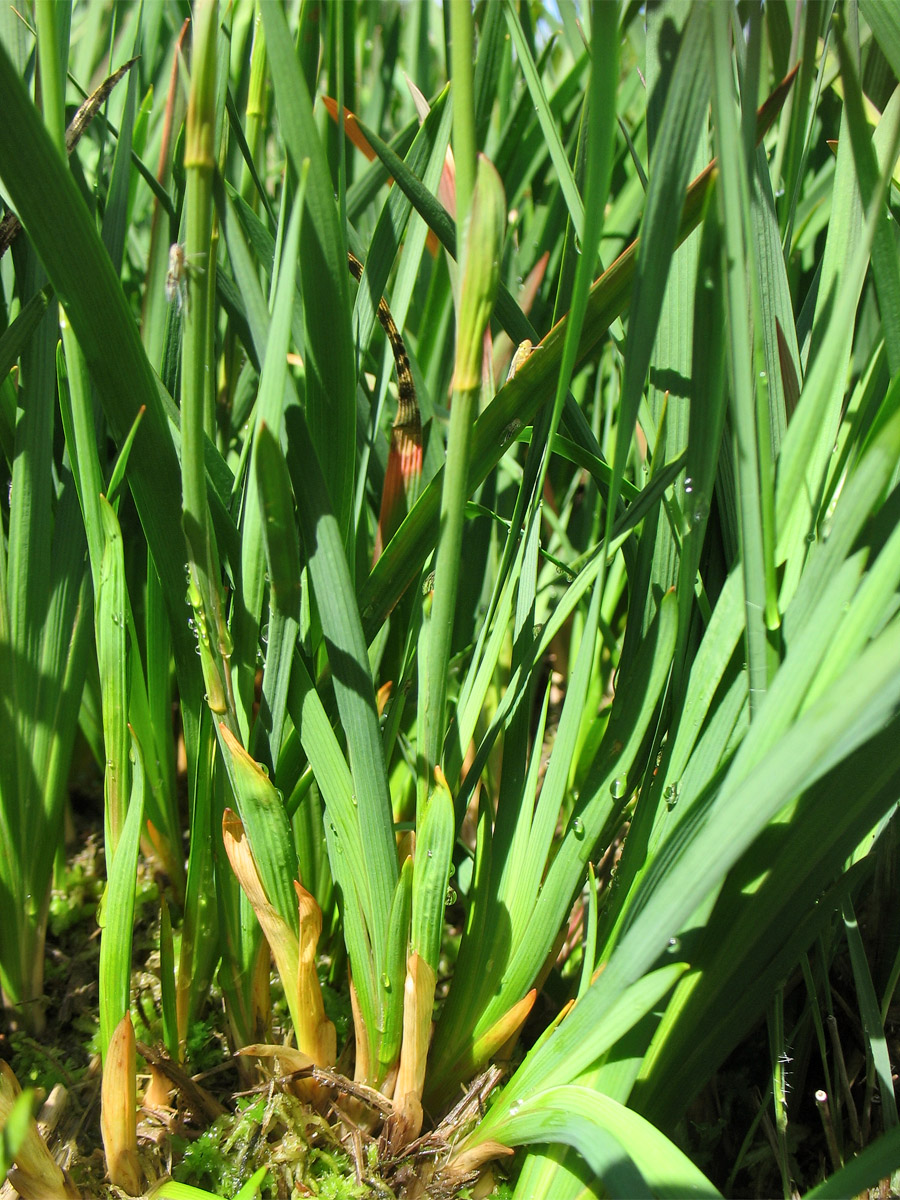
[625,1152]
[330,377]
[64,234]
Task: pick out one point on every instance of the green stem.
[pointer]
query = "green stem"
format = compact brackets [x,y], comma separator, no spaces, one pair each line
[464,148]
[47,17]
[199,163]
[479,275]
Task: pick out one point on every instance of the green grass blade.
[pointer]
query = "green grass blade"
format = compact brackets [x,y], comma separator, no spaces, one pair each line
[392,979]
[110,635]
[739,283]
[478,288]
[621,1148]
[64,234]
[574,203]
[603,794]
[17,333]
[599,1036]
[261,809]
[873,1164]
[369,850]
[884,22]
[268,413]
[808,444]
[884,259]
[330,361]
[118,912]
[675,394]
[435,838]
[352,679]
[425,158]
[690,864]
[279,532]
[876,1043]
[679,132]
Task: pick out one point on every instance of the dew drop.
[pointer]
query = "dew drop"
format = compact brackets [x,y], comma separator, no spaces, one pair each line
[578,827]
[617,788]
[671,795]
[450,896]
[385,982]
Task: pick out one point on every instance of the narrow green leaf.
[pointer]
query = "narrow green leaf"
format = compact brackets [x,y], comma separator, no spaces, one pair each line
[14,1129]
[480,270]
[279,533]
[549,127]
[353,685]
[871,1017]
[876,1162]
[330,361]
[686,101]
[884,21]
[435,838]
[262,812]
[394,975]
[83,277]
[268,412]
[626,1152]
[118,911]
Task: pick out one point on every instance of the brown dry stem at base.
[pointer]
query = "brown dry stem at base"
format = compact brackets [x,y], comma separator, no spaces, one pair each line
[429,1168]
[319,1035]
[421,1168]
[36,1174]
[406,1121]
[200,1102]
[118,1109]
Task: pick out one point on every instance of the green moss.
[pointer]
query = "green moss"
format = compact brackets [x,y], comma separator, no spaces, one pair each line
[40,1067]
[301,1152]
